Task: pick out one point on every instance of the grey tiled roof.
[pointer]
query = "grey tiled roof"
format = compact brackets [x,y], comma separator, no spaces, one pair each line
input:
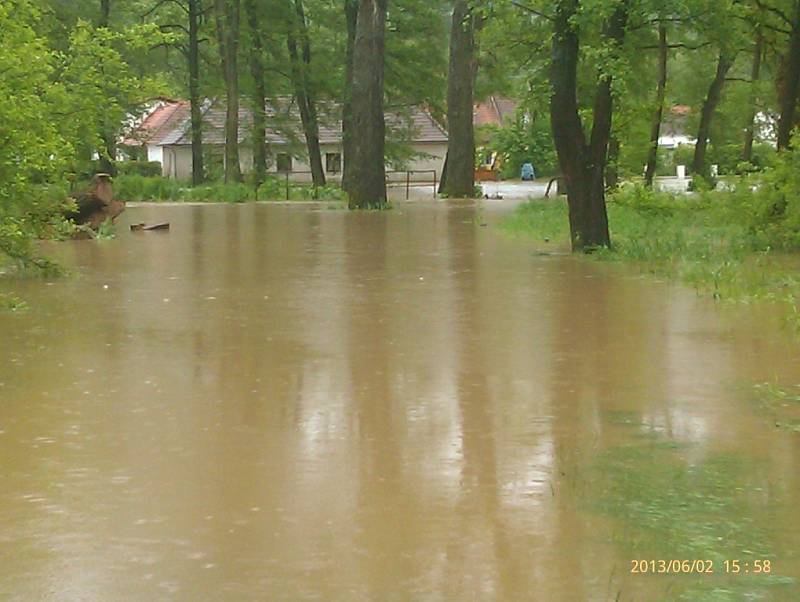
[412,125]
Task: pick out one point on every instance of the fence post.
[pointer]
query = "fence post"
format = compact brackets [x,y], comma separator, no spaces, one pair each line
[287,186]
[408,184]
[435,184]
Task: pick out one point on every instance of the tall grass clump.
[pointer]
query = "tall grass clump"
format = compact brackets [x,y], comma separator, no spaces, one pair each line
[139,188]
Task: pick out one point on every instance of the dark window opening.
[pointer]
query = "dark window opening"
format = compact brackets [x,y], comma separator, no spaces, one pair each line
[333,162]
[283,162]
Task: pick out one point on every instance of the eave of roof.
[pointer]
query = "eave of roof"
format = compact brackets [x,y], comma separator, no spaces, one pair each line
[284,125]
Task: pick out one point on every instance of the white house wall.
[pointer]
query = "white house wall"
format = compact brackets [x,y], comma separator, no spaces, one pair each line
[176,162]
[155,153]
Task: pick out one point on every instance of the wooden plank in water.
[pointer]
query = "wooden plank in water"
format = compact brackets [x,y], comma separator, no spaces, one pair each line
[144,227]
[159,226]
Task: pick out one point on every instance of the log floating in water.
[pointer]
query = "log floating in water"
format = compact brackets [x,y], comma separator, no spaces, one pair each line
[142,227]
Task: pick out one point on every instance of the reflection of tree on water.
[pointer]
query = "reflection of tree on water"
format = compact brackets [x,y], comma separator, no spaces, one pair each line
[478,506]
[383,499]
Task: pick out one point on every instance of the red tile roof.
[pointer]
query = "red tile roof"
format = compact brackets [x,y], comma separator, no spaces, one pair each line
[159,123]
[283,125]
[494,111]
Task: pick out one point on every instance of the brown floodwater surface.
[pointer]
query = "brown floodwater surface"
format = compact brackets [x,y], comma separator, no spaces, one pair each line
[277,402]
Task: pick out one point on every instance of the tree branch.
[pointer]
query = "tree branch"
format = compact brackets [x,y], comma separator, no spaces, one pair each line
[674,46]
[532,10]
[775,11]
[161,3]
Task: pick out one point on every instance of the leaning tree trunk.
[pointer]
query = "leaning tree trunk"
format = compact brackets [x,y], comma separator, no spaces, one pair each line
[367,186]
[658,115]
[196,116]
[460,180]
[259,132]
[710,105]
[351,18]
[755,76]
[790,84]
[582,164]
[227,17]
[302,91]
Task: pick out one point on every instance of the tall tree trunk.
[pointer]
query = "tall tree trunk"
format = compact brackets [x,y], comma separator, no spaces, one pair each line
[790,84]
[259,94]
[351,18]
[658,115]
[227,18]
[460,181]
[367,187]
[612,166]
[755,75]
[713,98]
[105,13]
[443,178]
[304,96]
[108,134]
[582,164]
[196,116]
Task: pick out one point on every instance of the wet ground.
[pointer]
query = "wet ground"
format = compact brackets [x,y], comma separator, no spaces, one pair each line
[299,403]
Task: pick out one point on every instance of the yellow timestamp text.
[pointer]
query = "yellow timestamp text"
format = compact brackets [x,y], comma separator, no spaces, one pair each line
[699,567]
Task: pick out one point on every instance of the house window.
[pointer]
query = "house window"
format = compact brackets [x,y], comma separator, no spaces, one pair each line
[333,162]
[283,162]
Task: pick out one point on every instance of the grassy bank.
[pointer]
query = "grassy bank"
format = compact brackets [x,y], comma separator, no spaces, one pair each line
[724,244]
[664,506]
[138,188]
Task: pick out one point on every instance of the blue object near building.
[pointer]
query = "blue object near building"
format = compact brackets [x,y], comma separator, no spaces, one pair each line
[527,172]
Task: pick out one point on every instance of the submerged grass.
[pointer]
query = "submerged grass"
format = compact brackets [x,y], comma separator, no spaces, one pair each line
[780,405]
[707,241]
[12,303]
[720,508]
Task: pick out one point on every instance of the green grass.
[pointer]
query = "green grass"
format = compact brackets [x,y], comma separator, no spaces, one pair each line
[718,507]
[781,405]
[708,241]
[12,303]
[138,188]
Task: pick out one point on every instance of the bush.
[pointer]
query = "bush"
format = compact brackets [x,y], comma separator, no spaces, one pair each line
[39,215]
[137,188]
[644,200]
[522,142]
[139,168]
[273,189]
[142,188]
[219,192]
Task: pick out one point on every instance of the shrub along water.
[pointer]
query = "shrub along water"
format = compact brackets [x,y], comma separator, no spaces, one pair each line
[139,188]
[38,214]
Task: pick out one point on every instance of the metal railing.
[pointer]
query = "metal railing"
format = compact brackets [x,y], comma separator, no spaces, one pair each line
[408,181]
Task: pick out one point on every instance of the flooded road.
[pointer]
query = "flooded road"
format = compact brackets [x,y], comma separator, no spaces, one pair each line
[287,403]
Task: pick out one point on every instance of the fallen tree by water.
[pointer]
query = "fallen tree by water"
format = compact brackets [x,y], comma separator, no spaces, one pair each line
[96,205]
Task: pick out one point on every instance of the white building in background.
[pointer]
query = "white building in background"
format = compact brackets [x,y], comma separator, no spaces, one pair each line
[159,120]
[418,141]
[674,128]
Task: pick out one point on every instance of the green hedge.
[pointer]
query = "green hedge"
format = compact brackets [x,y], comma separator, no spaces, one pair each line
[137,188]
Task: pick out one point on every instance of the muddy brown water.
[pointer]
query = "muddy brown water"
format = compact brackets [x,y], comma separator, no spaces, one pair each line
[297,403]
